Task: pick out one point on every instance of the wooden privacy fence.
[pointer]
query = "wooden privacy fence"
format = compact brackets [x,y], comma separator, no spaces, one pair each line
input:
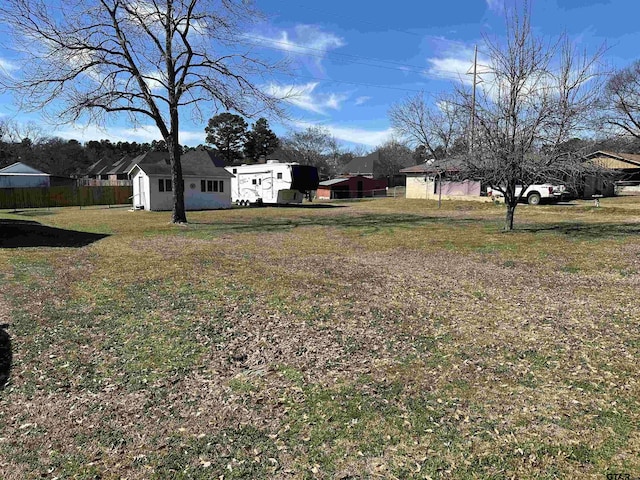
[66,196]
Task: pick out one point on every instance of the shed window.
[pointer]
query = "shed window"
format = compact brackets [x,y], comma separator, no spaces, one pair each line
[211,186]
[164,185]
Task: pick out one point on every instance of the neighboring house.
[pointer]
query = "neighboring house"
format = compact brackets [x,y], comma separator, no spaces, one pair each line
[19,175]
[206,185]
[626,173]
[433,180]
[356,186]
[375,166]
[105,172]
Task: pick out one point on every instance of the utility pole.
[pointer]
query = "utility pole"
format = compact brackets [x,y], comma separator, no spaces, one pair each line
[473,98]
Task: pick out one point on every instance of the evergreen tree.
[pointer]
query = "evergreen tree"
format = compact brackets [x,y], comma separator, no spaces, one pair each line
[261,141]
[227,132]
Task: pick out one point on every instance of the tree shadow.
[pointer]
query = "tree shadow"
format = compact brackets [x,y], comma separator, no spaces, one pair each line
[309,206]
[28,233]
[586,230]
[33,213]
[368,222]
[5,355]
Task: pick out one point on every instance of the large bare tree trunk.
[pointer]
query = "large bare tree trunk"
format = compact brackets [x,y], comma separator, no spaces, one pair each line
[178,215]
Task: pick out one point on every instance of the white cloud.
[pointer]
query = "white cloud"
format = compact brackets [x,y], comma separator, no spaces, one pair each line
[361,100]
[455,62]
[495,5]
[303,96]
[305,39]
[370,138]
[307,43]
[7,66]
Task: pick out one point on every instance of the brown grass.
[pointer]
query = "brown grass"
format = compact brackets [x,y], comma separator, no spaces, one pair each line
[382,338]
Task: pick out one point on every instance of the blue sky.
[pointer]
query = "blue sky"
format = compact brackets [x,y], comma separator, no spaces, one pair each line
[351,60]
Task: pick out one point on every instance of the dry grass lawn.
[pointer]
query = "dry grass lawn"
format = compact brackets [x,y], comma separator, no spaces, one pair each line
[372,339]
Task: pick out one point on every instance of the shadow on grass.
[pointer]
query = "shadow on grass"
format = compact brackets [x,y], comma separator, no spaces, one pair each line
[371,222]
[33,213]
[5,355]
[27,233]
[309,206]
[586,230]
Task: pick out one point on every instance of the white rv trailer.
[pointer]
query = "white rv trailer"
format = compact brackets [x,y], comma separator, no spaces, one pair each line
[272,182]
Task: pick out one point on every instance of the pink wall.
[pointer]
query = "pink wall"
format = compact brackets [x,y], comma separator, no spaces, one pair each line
[467,187]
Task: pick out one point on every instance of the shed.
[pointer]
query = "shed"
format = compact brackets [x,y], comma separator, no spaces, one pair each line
[20,175]
[356,186]
[206,186]
[437,179]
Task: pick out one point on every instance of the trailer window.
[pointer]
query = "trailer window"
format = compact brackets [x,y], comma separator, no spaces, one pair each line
[279,175]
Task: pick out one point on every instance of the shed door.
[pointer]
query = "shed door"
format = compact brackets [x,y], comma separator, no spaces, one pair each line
[140,199]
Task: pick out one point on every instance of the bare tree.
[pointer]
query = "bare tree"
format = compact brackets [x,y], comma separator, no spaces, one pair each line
[537,96]
[622,100]
[313,146]
[434,125]
[86,59]
[393,155]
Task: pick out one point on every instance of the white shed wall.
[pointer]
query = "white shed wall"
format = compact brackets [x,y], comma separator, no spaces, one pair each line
[151,198]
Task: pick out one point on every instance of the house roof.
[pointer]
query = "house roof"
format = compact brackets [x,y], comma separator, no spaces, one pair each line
[120,166]
[452,164]
[202,154]
[333,181]
[20,168]
[370,164]
[631,158]
[362,165]
[100,167]
[157,163]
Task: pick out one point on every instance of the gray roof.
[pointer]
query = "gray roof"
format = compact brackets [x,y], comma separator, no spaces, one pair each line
[157,163]
[202,154]
[363,165]
[451,164]
[333,181]
[100,167]
[121,166]
[20,168]
[369,164]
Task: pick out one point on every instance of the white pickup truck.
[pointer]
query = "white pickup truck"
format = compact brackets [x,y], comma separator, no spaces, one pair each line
[535,193]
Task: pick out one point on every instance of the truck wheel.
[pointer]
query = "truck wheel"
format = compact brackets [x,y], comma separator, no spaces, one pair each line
[533,198]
